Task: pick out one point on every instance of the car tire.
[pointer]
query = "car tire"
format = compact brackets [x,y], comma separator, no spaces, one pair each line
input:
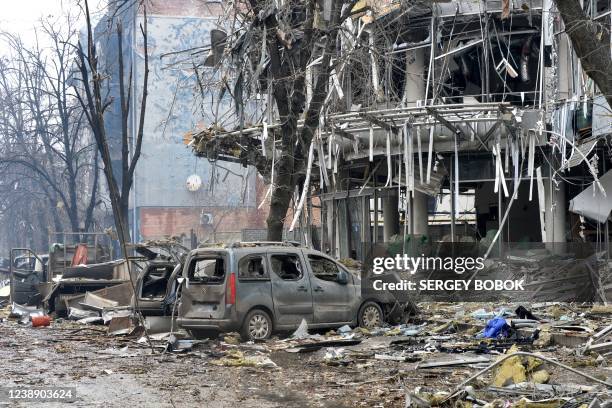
[370,315]
[257,326]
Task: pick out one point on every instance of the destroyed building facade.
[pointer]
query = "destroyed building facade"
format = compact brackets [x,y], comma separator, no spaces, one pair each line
[456,121]
[460,121]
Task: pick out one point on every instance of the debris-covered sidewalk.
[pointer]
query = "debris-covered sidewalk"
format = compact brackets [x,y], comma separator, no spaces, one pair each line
[453,355]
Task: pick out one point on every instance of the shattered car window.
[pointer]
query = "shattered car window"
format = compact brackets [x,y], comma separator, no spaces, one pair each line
[252,268]
[323,268]
[207,270]
[287,267]
[24,262]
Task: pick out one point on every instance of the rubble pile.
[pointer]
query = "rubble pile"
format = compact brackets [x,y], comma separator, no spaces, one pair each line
[453,354]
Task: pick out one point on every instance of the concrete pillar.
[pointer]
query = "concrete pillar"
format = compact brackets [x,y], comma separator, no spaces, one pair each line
[420,213]
[554,219]
[414,89]
[391,224]
[414,84]
[563,61]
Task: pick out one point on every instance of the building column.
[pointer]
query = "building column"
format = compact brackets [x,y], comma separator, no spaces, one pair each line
[420,213]
[414,89]
[391,224]
[564,61]
[554,219]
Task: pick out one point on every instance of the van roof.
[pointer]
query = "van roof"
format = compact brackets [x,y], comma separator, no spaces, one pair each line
[250,244]
[257,246]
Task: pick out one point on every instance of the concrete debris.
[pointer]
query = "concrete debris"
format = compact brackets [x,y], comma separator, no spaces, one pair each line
[95,302]
[448,363]
[78,314]
[158,324]
[121,325]
[302,331]
[109,314]
[91,320]
[456,362]
[236,358]
[232,338]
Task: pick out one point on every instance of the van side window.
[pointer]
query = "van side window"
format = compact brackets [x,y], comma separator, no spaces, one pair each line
[252,267]
[287,267]
[323,268]
[207,270]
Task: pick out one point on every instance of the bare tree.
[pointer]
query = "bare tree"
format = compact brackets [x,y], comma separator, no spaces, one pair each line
[42,128]
[94,101]
[273,50]
[591,41]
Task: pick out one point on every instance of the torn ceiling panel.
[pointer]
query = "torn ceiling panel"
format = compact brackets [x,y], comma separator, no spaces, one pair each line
[593,204]
[580,153]
[602,119]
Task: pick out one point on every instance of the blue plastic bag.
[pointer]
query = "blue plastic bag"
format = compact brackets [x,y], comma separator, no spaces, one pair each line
[495,328]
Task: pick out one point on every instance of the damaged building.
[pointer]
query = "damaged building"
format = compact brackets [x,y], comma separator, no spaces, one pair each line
[491,122]
[459,121]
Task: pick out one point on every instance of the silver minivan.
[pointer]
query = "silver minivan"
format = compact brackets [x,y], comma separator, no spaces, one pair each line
[261,288]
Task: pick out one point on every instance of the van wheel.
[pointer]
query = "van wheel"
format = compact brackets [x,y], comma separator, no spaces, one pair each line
[370,315]
[257,326]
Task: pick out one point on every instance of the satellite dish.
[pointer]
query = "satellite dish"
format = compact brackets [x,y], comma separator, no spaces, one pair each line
[194,182]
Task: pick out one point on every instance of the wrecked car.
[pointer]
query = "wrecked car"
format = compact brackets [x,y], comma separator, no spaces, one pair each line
[262,288]
[156,284]
[27,271]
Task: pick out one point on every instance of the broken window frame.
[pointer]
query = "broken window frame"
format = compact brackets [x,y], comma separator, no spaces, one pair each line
[249,258]
[214,280]
[299,266]
[313,259]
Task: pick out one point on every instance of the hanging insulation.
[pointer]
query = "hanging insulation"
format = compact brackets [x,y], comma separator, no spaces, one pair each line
[541,202]
[420,153]
[530,160]
[374,62]
[271,188]
[371,143]
[298,210]
[430,154]
[322,161]
[389,163]
[264,136]
[500,176]
[456,170]
[330,141]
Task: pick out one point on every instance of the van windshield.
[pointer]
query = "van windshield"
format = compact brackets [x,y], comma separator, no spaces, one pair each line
[207,270]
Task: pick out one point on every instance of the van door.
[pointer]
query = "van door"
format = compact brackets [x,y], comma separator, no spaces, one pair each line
[27,271]
[153,285]
[203,297]
[254,287]
[333,301]
[290,289]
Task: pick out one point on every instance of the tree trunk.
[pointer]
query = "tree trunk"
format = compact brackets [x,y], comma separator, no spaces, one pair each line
[591,41]
[125,215]
[279,204]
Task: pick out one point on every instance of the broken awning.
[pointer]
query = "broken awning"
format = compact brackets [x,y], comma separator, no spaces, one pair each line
[594,205]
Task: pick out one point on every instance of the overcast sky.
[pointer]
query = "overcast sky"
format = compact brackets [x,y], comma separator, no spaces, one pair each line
[22,16]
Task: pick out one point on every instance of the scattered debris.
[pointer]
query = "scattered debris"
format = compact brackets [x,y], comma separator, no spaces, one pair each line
[40,320]
[121,325]
[236,358]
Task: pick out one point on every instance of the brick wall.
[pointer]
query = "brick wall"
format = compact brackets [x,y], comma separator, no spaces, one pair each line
[160,222]
[156,222]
